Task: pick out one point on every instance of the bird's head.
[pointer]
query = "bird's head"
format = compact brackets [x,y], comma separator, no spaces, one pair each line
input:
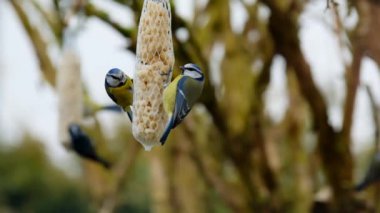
[116,78]
[193,71]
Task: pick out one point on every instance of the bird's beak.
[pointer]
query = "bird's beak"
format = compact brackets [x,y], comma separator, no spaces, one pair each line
[182,68]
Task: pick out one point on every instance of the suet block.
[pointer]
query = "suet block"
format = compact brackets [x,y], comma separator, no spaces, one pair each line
[154,64]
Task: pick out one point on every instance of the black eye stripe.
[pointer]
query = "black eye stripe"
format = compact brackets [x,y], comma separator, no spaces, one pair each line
[114,77]
[192,69]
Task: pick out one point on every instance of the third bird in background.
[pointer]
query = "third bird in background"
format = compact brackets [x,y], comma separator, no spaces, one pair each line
[82,145]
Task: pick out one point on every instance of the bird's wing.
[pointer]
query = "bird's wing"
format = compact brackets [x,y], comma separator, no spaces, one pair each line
[181,108]
[109,93]
[129,113]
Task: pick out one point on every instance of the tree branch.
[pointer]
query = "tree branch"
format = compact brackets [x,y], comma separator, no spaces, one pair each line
[284,29]
[352,83]
[212,178]
[52,20]
[92,10]
[40,47]
[120,174]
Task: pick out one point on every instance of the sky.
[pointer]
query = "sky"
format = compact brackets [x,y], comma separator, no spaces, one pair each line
[27,103]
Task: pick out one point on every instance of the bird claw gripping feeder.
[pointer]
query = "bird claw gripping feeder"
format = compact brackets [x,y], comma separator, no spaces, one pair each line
[154,64]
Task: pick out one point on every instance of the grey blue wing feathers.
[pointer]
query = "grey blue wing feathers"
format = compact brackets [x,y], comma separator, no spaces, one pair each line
[182,107]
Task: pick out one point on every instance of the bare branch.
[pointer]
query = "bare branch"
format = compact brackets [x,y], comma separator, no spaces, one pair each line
[52,20]
[92,10]
[40,47]
[212,177]
[285,33]
[120,173]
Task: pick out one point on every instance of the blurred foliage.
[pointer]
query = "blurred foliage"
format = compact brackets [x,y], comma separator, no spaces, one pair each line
[29,182]
[135,197]
[227,155]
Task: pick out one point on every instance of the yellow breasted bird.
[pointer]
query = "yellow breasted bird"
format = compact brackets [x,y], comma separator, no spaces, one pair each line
[119,88]
[180,96]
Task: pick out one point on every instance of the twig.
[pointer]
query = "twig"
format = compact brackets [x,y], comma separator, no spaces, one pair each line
[52,20]
[92,10]
[359,45]
[212,178]
[338,29]
[339,173]
[40,47]
[120,174]
[257,135]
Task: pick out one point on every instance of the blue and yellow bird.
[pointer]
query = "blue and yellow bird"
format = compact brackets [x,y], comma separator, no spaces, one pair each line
[119,88]
[180,96]
[81,143]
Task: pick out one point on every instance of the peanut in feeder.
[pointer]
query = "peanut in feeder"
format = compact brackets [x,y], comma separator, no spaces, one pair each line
[154,63]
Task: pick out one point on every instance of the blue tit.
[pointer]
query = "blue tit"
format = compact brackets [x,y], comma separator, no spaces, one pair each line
[372,175]
[82,145]
[180,96]
[119,88]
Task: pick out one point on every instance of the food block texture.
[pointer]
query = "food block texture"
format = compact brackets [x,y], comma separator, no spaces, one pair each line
[154,64]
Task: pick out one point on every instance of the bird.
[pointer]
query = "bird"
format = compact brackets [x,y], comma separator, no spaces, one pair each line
[81,143]
[119,88]
[372,175]
[180,96]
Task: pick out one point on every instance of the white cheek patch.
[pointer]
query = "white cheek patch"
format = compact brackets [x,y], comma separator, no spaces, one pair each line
[112,82]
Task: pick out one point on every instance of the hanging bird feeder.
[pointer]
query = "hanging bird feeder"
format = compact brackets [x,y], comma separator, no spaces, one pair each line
[154,64]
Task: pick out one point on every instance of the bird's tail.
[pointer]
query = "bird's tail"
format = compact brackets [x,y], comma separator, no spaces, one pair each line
[130,114]
[104,163]
[168,128]
[361,186]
